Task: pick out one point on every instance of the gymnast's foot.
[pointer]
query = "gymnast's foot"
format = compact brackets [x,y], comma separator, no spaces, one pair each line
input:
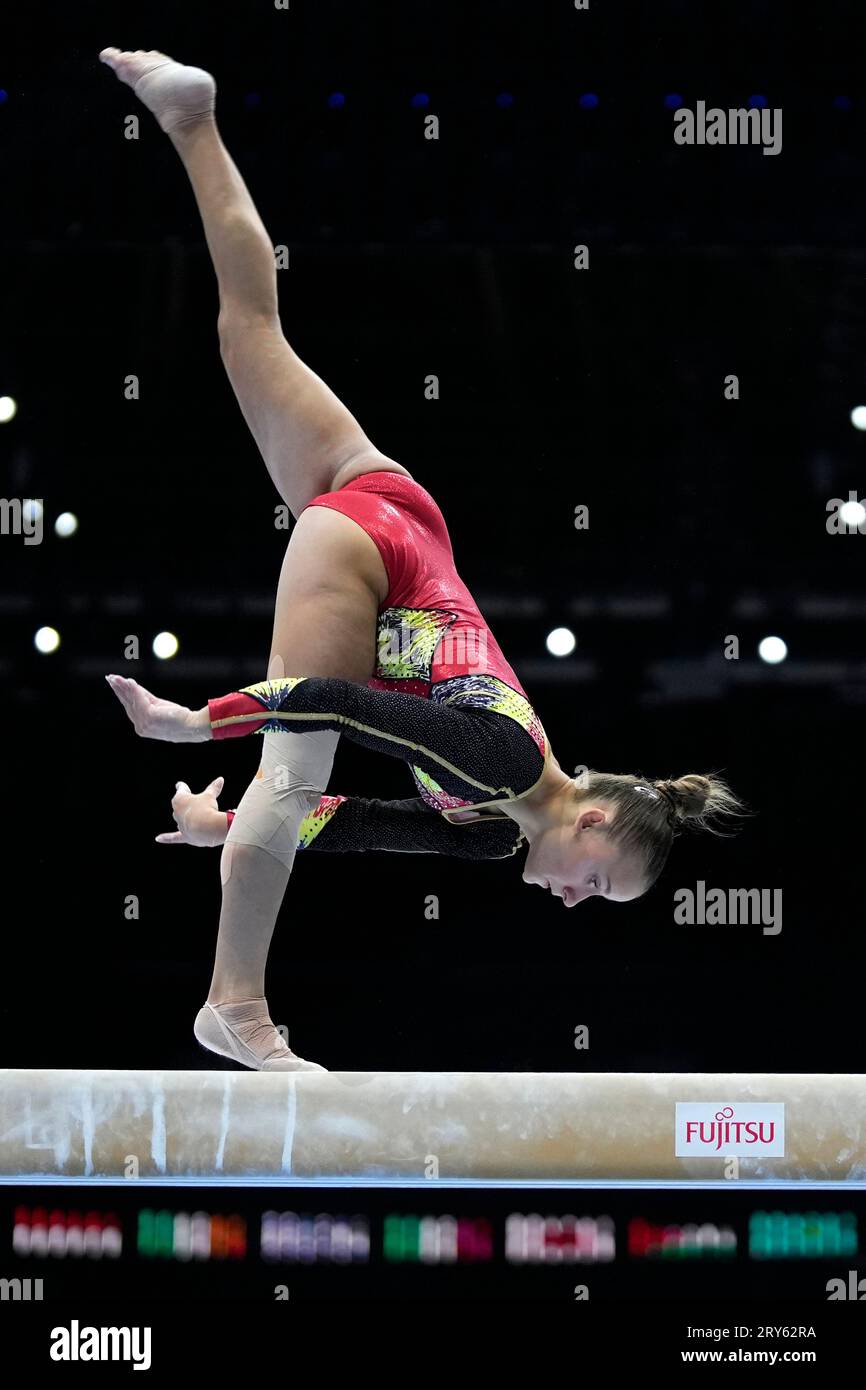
[177,95]
[243,1031]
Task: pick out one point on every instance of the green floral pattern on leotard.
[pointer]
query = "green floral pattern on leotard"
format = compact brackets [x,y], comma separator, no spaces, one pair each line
[406,641]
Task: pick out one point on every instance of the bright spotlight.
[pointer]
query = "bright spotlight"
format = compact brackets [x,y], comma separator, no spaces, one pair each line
[772,650]
[852,513]
[32,510]
[858,417]
[47,640]
[561,641]
[8,409]
[66,524]
[165,645]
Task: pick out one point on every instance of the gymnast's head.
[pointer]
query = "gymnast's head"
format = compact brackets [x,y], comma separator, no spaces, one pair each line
[609,835]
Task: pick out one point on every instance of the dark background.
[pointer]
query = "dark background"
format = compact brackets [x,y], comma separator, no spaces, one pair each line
[602,387]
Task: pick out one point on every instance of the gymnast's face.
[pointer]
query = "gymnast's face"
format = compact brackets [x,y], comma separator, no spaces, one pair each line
[577,859]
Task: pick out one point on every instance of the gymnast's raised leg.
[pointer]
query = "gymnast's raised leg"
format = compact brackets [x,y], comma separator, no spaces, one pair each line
[333,579]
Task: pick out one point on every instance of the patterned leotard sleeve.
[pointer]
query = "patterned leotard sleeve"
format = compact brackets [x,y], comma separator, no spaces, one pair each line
[476,754]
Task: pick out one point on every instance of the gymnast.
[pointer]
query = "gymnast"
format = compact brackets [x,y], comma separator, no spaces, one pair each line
[376,637]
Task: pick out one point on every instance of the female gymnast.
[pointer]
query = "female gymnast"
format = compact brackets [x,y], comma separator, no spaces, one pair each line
[375,637]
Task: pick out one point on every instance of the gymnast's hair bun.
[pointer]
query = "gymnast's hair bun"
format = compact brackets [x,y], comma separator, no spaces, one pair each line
[705,803]
[689,797]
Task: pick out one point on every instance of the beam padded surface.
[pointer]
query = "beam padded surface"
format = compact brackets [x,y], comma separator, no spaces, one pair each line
[397,1126]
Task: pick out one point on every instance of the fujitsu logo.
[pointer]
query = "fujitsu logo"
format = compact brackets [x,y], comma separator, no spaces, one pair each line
[746,1130]
[723,1130]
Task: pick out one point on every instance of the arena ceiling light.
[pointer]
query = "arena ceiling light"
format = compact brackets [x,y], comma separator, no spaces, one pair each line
[772,650]
[561,641]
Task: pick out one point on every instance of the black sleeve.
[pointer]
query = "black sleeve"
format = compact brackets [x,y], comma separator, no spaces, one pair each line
[473,753]
[411,826]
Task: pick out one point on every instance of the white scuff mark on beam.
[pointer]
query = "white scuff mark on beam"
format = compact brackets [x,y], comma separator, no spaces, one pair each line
[87,1125]
[225,1115]
[289,1130]
[157,1126]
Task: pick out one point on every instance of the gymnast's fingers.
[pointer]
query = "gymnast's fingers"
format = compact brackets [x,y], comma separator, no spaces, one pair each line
[171,837]
[129,693]
[117,685]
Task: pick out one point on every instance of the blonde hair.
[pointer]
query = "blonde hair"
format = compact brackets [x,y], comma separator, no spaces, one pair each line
[649,815]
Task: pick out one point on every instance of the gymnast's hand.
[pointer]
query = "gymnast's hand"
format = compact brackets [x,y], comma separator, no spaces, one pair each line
[155,718]
[197,816]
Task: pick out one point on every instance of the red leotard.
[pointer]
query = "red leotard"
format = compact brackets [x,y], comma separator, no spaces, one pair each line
[409,530]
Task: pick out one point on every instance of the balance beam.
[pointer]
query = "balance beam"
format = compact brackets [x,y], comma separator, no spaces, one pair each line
[414,1127]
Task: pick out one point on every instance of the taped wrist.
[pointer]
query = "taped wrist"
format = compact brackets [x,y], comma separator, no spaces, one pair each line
[293,774]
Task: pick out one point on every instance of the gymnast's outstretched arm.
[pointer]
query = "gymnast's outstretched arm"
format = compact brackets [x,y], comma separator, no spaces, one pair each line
[472,753]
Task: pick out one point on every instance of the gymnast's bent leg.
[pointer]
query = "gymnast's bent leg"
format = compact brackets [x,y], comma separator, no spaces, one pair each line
[332,580]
